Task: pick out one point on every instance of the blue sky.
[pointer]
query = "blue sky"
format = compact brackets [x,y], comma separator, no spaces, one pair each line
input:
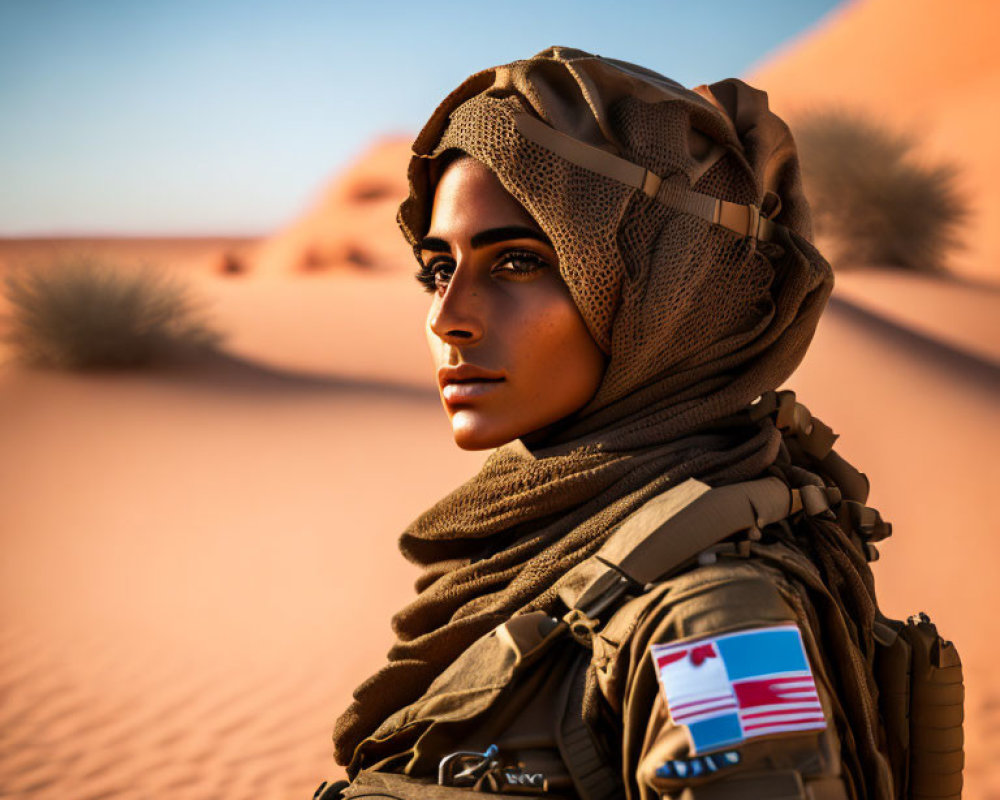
[227,116]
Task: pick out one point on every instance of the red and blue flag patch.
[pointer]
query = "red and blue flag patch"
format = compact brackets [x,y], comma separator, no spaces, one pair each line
[737,686]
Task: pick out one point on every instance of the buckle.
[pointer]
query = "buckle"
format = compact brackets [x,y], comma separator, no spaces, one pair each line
[739,218]
[465,767]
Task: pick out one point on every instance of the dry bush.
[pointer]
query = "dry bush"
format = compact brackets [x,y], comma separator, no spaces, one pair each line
[85,314]
[873,202]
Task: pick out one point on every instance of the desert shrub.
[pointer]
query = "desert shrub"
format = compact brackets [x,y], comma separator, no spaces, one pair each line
[84,314]
[873,201]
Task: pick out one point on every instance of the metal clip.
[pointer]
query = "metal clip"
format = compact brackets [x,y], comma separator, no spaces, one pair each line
[464,768]
[581,627]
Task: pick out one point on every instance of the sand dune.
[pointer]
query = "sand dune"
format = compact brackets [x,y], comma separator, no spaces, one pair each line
[923,67]
[352,226]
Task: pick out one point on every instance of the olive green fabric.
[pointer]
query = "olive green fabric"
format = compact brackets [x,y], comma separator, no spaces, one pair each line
[696,321]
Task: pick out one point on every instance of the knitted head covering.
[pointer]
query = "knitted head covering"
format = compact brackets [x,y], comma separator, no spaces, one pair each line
[624,170]
[683,236]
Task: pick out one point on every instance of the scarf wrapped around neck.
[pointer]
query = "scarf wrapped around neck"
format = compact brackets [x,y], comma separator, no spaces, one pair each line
[699,306]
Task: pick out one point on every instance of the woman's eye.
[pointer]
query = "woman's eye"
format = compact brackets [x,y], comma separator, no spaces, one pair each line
[514,265]
[519,263]
[439,273]
[435,276]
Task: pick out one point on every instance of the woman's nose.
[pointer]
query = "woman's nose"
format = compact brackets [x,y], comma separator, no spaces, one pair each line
[458,317]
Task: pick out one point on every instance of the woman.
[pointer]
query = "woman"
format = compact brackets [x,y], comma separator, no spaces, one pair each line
[621,276]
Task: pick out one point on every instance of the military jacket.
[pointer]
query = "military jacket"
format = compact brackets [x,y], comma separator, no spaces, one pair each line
[642,682]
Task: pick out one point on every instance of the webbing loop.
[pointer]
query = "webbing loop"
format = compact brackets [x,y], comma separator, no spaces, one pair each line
[745,220]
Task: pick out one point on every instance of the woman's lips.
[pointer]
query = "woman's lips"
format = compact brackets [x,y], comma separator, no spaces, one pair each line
[467,382]
[468,390]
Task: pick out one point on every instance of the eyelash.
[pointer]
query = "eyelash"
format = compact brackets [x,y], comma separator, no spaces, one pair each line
[427,273]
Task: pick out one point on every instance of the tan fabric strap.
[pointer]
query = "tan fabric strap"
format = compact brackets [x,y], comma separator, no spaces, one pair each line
[670,529]
[667,531]
[746,220]
[585,155]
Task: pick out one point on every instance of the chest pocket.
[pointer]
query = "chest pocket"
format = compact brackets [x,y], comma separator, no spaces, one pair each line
[498,665]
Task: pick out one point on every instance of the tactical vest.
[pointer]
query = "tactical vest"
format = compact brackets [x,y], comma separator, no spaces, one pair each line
[920,690]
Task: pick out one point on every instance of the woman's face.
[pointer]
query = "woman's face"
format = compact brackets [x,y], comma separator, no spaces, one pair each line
[512,352]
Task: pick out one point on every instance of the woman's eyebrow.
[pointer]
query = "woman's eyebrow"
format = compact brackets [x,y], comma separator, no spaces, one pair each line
[486,237]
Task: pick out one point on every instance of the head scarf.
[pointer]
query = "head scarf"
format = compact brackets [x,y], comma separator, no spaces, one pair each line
[683,235]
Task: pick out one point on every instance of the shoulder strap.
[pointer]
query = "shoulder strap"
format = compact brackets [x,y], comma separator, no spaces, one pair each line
[666,532]
[679,524]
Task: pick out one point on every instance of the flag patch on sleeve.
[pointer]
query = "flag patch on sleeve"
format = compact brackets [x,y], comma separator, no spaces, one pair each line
[737,686]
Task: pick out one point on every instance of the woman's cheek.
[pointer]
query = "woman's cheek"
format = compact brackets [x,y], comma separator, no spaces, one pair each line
[558,369]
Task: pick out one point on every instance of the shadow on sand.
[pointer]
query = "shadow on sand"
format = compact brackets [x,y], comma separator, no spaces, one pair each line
[215,370]
[971,369]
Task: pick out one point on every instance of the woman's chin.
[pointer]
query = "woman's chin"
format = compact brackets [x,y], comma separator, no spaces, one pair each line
[473,432]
